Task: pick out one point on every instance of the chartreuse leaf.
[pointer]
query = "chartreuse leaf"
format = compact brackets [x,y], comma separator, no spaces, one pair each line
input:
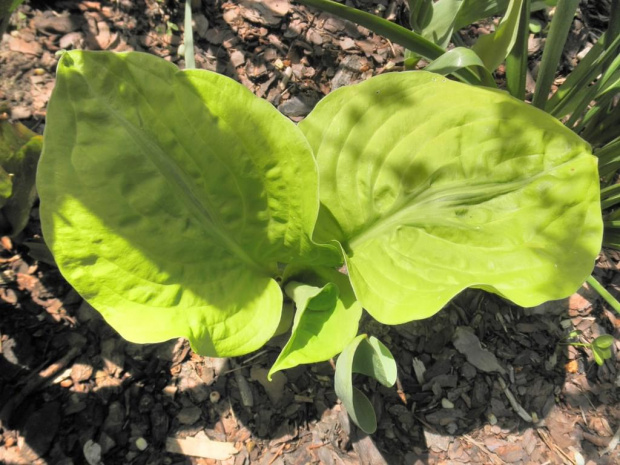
[603,342]
[326,319]
[370,357]
[20,149]
[169,197]
[431,186]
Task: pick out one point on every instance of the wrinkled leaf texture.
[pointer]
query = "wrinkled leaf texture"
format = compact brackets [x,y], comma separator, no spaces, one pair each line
[169,198]
[431,187]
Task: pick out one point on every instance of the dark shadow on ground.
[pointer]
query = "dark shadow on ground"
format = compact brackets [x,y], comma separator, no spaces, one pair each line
[121,391]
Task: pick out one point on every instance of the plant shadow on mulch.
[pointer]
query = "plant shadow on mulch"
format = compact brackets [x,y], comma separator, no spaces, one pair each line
[114,392]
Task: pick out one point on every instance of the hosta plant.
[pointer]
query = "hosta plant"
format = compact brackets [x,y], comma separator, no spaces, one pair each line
[180,205]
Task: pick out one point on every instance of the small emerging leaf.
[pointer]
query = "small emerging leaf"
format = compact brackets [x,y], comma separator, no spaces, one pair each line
[326,318]
[603,342]
[370,357]
[600,355]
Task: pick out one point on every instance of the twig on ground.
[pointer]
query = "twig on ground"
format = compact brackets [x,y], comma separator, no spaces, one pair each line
[495,459]
[555,448]
[35,383]
[277,454]
[513,402]
[245,391]
[613,443]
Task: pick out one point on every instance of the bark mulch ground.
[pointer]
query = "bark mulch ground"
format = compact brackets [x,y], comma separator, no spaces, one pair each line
[481,382]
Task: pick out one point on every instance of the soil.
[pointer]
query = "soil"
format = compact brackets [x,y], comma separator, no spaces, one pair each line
[483,381]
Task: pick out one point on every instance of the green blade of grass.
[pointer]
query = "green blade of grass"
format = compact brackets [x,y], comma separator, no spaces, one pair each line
[573,90]
[560,25]
[614,19]
[610,196]
[494,48]
[604,92]
[188,37]
[609,153]
[516,61]
[604,293]
[611,240]
[604,124]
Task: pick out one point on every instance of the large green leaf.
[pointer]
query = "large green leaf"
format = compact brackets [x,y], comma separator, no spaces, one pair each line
[326,319]
[432,186]
[168,199]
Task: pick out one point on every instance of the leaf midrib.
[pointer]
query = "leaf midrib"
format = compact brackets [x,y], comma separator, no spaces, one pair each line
[446,197]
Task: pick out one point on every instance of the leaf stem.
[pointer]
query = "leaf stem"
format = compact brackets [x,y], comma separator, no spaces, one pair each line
[604,293]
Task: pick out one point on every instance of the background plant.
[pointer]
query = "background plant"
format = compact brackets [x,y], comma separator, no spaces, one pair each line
[7,7]
[19,153]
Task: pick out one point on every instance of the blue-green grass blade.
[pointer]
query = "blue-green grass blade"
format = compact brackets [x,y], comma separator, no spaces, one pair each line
[560,25]
[573,90]
[516,61]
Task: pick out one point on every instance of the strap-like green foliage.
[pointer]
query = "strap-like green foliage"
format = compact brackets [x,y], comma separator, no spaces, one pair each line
[8,6]
[461,57]
[20,149]
[495,47]
[432,186]
[367,356]
[172,201]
